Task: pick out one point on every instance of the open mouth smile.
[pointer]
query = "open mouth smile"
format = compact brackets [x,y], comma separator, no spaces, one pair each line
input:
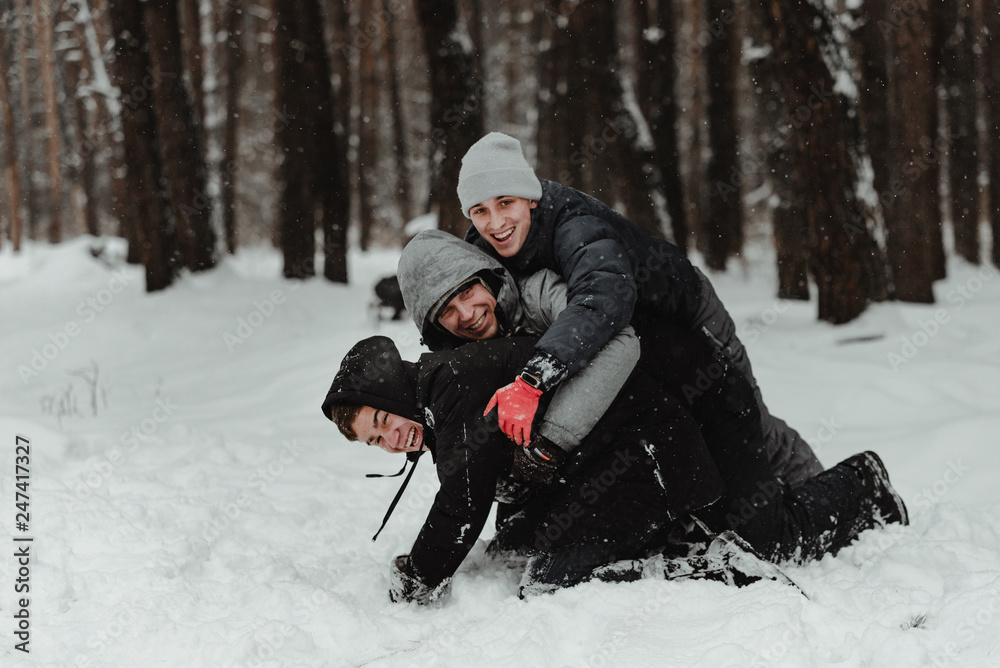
[503,236]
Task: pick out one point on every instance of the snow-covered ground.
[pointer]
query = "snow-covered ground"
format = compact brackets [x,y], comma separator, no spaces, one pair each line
[192,507]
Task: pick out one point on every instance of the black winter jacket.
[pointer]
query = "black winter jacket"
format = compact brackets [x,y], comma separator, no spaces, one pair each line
[610,267]
[628,474]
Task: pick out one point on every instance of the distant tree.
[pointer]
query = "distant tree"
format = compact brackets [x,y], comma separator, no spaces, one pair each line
[311,174]
[11,178]
[913,243]
[455,107]
[873,56]
[656,78]
[370,79]
[721,233]
[958,80]
[991,82]
[789,220]
[590,134]
[181,139]
[824,143]
[233,63]
[143,210]
[44,31]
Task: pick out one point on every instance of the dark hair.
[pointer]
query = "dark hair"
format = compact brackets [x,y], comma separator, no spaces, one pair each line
[343,416]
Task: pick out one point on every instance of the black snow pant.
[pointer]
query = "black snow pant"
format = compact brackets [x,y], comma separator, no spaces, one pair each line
[823,514]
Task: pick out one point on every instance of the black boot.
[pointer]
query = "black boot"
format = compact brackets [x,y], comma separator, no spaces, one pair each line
[889,507]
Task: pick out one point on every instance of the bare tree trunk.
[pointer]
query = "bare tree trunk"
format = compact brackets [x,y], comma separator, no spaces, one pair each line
[297,221]
[588,135]
[183,148]
[912,218]
[27,134]
[194,59]
[791,231]
[44,31]
[721,234]
[11,179]
[331,189]
[230,147]
[844,256]
[368,130]
[959,82]
[656,25]
[399,144]
[85,146]
[991,82]
[873,93]
[145,204]
[456,107]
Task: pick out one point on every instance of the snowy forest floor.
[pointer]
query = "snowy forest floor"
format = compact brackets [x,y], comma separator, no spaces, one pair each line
[192,507]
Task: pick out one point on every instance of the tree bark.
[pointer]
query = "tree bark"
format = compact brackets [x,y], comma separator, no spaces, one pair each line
[588,134]
[369,124]
[297,215]
[145,205]
[721,233]
[873,99]
[789,216]
[181,140]
[912,213]
[959,82]
[400,149]
[230,147]
[991,80]
[657,74]
[824,142]
[11,179]
[456,107]
[44,31]
[331,189]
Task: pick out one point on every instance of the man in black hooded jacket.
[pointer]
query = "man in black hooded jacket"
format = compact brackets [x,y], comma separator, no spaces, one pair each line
[643,466]
[625,484]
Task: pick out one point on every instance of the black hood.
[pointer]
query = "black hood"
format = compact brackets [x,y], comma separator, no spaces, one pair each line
[373,374]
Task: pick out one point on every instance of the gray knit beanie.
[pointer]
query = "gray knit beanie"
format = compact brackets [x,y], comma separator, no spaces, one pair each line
[493,167]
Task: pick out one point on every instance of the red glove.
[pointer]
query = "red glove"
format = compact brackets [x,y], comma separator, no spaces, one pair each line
[516,405]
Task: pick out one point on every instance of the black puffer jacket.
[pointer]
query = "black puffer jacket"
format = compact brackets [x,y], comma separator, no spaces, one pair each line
[628,474]
[610,266]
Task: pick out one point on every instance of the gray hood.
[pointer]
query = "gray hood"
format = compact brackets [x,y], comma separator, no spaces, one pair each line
[433,264]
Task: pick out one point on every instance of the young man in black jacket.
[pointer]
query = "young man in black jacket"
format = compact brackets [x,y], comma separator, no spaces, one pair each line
[641,468]
[612,269]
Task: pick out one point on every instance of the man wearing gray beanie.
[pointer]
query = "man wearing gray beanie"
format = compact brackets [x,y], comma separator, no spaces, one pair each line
[616,274]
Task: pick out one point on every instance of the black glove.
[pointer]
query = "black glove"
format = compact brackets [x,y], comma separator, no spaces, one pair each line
[538,462]
[405,587]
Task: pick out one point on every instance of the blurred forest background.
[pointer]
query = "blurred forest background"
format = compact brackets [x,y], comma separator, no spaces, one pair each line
[863,136]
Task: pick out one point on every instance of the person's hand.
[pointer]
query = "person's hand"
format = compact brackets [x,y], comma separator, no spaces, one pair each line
[537,463]
[405,587]
[516,406]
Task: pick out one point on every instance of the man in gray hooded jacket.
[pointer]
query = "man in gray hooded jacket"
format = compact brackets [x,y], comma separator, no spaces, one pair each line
[436,268]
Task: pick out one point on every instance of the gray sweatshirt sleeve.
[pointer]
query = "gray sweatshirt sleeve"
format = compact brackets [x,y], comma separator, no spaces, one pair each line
[580,401]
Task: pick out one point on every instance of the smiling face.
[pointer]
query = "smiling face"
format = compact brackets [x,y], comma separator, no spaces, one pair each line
[388,431]
[471,314]
[504,222]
